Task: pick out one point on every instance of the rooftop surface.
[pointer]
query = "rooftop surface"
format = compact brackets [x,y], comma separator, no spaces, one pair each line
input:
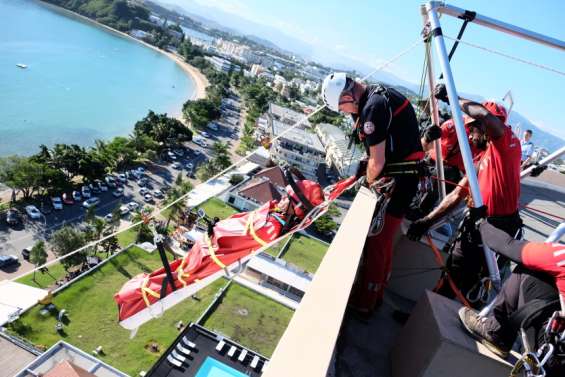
[13,358]
[205,343]
[363,347]
[298,136]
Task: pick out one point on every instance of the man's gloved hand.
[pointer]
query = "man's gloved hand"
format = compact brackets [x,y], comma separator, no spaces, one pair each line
[432,133]
[538,170]
[477,213]
[557,323]
[418,228]
[440,92]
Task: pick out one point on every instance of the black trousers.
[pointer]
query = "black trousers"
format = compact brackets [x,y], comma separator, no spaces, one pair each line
[466,264]
[521,288]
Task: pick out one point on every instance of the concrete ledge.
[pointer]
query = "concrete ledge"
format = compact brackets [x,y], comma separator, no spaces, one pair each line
[434,344]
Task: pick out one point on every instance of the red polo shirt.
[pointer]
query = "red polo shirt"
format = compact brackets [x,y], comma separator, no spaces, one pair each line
[450,151]
[499,174]
[548,258]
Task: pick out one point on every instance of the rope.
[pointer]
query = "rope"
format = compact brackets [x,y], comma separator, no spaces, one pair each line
[235,164]
[446,276]
[492,51]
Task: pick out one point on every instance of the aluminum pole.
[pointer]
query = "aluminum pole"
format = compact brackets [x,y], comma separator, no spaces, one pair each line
[504,27]
[434,111]
[555,155]
[457,116]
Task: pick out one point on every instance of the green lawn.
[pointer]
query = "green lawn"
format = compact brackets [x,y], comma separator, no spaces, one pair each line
[44,280]
[305,252]
[93,315]
[127,237]
[250,319]
[216,207]
[275,249]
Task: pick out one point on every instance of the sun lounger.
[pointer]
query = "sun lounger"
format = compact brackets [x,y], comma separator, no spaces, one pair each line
[220,345]
[173,361]
[232,350]
[178,356]
[242,356]
[254,362]
[188,342]
[183,350]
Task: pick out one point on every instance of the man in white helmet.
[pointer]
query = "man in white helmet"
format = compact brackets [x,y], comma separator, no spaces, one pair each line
[386,123]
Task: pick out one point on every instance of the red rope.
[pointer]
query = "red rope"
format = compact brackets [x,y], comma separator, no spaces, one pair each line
[521,205]
[544,212]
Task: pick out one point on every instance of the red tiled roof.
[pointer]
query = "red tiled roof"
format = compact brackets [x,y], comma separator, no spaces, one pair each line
[275,175]
[67,369]
[260,190]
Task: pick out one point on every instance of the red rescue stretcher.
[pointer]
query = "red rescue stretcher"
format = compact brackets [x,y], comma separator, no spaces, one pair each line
[225,250]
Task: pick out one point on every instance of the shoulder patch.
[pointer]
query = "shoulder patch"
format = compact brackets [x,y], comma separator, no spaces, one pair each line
[368,128]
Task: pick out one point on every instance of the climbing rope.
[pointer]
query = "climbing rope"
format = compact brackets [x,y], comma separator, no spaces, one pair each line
[508,56]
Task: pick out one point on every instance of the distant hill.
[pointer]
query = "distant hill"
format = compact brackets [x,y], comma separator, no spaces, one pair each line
[541,138]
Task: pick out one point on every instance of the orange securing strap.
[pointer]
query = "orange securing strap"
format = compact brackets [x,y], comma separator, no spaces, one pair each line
[439,260]
[249,227]
[181,274]
[212,252]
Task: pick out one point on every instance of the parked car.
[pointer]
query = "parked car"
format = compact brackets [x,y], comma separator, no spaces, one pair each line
[190,166]
[56,202]
[77,196]
[94,188]
[141,170]
[171,156]
[91,202]
[122,178]
[85,191]
[110,181]
[13,217]
[179,152]
[8,260]
[101,185]
[33,212]
[68,199]
[133,206]
[212,126]
[118,192]
[205,134]
[197,152]
[108,217]
[158,194]
[142,182]
[177,165]
[26,252]
[148,198]
[124,209]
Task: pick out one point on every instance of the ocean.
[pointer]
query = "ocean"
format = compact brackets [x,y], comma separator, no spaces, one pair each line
[82,82]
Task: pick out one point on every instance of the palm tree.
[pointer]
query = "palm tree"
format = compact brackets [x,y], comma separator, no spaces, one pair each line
[179,205]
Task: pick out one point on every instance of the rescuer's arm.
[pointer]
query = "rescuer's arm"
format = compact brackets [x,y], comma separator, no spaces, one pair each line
[494,126]
[376,161]
[448,203]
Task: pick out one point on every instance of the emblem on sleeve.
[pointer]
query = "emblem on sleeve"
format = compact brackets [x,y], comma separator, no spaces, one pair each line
[368,128]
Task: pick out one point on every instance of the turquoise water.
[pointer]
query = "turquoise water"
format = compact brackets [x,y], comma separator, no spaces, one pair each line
[214,368]
[82,82]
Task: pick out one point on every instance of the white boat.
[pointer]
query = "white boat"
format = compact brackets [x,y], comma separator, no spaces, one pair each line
[23,66]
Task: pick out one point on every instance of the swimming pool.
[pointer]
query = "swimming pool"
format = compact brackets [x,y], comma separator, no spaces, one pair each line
[214,368]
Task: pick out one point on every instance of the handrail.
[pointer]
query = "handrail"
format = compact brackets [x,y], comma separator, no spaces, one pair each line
[307,346]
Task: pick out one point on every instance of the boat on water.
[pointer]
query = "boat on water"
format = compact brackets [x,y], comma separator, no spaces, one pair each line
[22,66]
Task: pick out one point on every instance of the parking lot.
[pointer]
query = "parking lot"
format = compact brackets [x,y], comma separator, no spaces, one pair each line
[159,175]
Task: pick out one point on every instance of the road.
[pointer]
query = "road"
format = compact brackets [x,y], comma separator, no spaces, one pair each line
[159,174]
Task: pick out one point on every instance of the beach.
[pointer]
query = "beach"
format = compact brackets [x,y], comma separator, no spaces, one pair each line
[200,81]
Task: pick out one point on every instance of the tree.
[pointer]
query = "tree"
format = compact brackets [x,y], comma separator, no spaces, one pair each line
[325,224]
[38,255]
[177,206]
[90,214]
[110,245]
[219,161]
[66,240]
[22,174]
[162,129]
[235,179]
[201,112]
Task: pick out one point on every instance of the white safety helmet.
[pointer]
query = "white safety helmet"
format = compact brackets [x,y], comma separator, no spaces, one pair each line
[332,87]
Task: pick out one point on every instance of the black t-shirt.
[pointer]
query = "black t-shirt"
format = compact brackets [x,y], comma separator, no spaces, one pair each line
[377,123]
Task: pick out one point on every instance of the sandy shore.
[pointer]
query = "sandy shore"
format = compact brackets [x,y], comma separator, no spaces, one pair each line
[200,81]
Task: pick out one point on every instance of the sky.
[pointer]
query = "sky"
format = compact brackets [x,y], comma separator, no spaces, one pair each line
[372,31]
